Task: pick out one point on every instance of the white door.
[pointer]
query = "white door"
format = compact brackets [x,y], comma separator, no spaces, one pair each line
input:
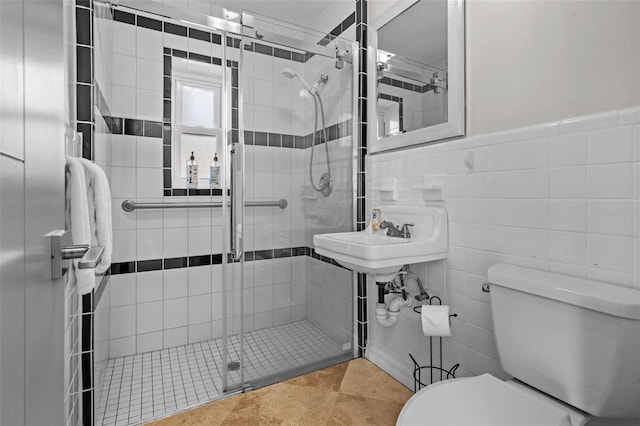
[32,115]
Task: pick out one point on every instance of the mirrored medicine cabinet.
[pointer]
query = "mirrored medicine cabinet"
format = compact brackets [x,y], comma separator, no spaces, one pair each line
[416,69]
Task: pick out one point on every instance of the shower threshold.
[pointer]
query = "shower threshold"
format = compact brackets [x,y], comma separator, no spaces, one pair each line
[142,387]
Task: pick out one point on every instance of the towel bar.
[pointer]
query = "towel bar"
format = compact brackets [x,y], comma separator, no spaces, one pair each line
[62,250]
[130,205]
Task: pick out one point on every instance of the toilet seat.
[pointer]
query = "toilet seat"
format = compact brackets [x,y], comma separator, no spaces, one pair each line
[482,400]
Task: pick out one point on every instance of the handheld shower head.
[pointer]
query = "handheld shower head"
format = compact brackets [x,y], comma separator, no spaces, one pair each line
[289,73]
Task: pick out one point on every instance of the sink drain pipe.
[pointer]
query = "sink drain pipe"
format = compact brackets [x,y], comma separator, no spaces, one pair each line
[387,315]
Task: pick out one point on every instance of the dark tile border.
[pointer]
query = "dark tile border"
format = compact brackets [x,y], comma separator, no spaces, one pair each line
[405,85]
[121,268]
[361,37]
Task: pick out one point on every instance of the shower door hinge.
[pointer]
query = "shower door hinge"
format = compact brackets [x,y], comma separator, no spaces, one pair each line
[343,56]
[439,82]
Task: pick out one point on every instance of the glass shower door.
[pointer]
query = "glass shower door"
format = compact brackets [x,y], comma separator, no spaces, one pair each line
[293,160]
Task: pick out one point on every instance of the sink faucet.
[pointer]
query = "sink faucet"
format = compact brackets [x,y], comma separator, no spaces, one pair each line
[392,231]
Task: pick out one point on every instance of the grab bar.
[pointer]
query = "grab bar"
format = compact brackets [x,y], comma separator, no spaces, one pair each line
[130,205]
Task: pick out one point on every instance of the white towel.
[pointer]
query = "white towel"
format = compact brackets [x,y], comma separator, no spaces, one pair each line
[77,220]
[99,199]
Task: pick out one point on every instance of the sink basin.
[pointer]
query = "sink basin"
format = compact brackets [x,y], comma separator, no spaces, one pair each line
[383,256]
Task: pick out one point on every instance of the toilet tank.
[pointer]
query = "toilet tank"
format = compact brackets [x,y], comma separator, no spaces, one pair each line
[575,339]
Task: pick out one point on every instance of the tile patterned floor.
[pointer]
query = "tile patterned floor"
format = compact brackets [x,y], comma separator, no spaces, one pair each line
[142,387]
[352,393]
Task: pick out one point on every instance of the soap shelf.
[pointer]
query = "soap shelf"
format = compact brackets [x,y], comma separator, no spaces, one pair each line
[432,187]
[388,188]
[418,369]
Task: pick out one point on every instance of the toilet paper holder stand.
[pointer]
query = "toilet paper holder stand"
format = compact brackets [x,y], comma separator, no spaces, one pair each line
[418,369]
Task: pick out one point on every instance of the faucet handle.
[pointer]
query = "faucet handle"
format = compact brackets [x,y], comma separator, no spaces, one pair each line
[405,229]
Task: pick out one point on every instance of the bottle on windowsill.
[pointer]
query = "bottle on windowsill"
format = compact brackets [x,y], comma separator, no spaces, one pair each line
[214,173]
[192,172]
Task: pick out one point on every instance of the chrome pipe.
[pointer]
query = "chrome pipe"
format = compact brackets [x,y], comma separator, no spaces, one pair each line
[130,205]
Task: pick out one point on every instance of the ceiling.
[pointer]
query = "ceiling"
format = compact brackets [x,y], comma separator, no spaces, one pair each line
[306,13]
[419,33]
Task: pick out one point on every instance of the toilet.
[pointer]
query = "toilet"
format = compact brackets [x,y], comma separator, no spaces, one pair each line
[572,346]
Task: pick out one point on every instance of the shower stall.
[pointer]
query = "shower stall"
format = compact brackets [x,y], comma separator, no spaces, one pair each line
[215,287]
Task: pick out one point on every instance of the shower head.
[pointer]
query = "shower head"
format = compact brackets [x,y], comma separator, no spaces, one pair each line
[289,73]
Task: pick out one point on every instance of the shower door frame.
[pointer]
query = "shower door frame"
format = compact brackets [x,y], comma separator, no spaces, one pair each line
[229,28]
[249,31]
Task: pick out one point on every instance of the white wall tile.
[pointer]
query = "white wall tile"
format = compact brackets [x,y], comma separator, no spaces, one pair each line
[124,38]
[263,298]
[533,183]
[149,244]
[149,183]
[282,270]
[568,247]
[568,182]
[149,286]
[199,280]
[216,306]
[613,145]
[176,218]
[148,152]
[533,213]
[199,332]
[149,44]
[532,243]
[282,295]
[176,283]
[612,253]
[124,102]
[122,347]
[124,70]
[149,342]
[175,337]
[146,219]
[610,181]
[574,217]
[568,150]
[124,246]
[199,308]
[175,242]
[123,182]
[199,241]
[149,104]
[123,150]
[568,215]
[149,74]
[123,321]
[176,313]
[610,217]
[123,289]
[532,154]
[149,317]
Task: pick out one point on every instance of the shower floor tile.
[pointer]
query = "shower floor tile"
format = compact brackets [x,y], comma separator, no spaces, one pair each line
[141,387]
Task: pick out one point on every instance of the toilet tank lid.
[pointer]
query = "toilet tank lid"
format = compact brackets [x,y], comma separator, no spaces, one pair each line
[610,299]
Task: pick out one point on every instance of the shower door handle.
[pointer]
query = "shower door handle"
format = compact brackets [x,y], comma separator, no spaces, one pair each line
[236,201]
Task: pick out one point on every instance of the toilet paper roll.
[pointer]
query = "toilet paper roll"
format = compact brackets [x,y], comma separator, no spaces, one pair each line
[435,320]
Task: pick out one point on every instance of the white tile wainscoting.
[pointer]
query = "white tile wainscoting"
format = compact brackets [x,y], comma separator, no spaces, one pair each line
[561,196]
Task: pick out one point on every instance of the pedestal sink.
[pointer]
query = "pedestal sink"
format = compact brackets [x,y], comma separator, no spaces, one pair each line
[383,256]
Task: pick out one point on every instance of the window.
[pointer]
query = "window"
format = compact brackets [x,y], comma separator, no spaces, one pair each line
[197,124]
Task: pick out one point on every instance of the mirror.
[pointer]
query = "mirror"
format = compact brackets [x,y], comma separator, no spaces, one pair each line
[417,76]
